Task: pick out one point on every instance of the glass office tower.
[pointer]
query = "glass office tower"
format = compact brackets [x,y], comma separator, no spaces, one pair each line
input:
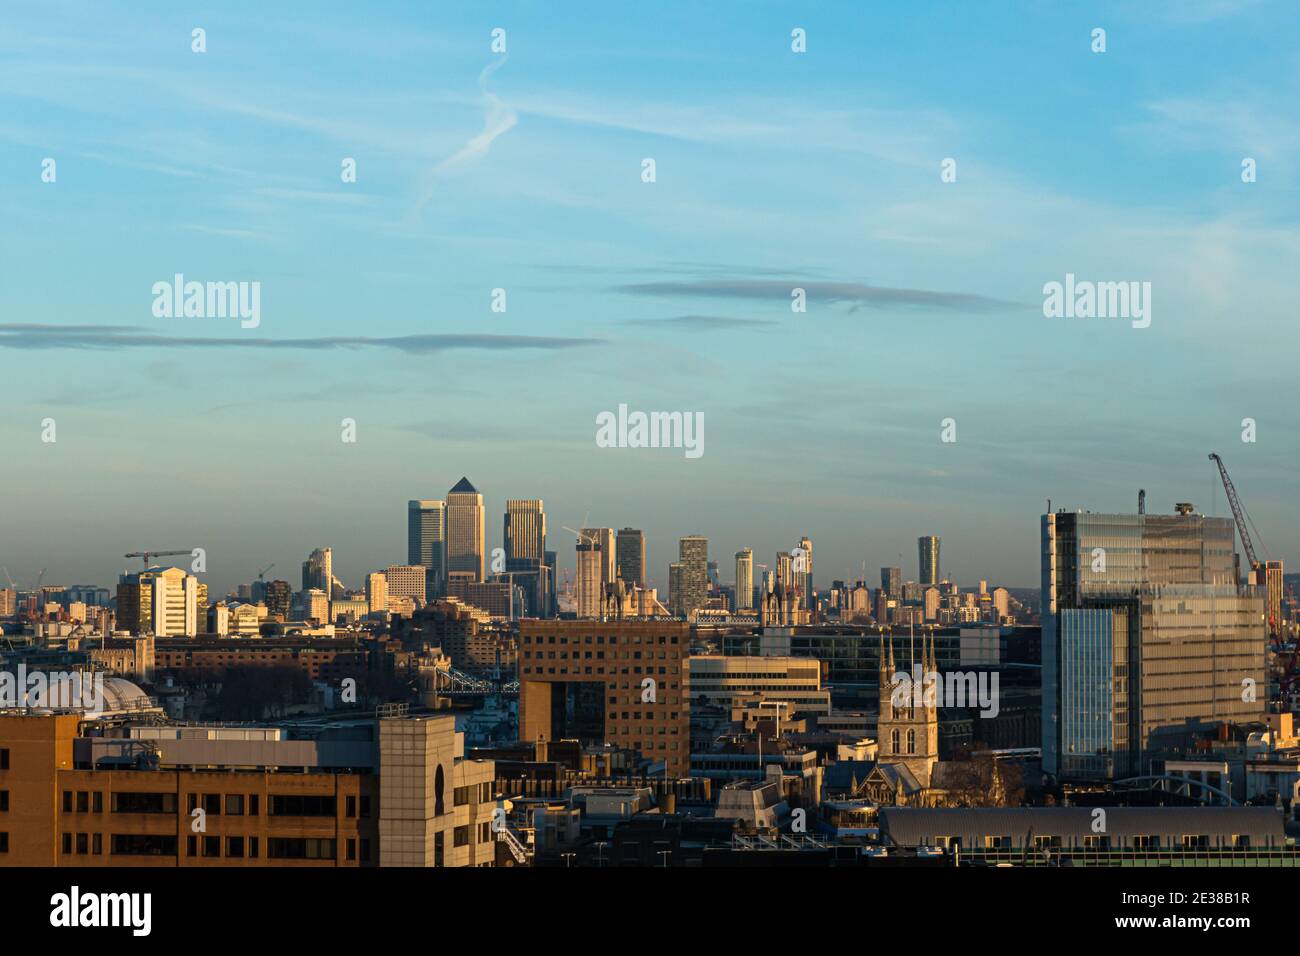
[1147,638]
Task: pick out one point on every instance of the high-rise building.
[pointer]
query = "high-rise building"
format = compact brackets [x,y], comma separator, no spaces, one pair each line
[629,556]
[693,555]
[927,550]
[745,579]
[676,597]
[804,570]
[377,591]
[891,581]
[608,559]
[1147,638]
[524,531]
[159,601]
[318,570]
[426,541]
[279,598]
[466,540]
[587,583]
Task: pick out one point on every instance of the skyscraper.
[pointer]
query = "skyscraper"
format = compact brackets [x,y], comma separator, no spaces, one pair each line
[744,579]
[927,549]
[891,581]
[804,571]
[587,583]
[629,556]
[524,532]
[1147,637]
[426,541]
[318,570]
[605,538]
[693,554]
[466,539]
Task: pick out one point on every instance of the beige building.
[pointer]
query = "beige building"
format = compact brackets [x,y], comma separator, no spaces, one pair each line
[377,591]
[160,601]
[745,579]
[723,681]
[466,538]
[406,580]
[587,581]
[436,807]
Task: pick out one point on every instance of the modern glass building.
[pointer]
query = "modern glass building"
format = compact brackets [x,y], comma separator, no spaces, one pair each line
[426,541]
[1147,638]
[927,552]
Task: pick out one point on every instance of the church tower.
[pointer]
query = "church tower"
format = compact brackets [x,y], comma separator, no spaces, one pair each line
[909,732]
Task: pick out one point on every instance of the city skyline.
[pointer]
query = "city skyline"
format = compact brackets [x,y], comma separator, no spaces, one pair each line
[479,171]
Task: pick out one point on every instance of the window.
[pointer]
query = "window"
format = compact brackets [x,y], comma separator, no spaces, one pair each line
[4,760]
[83,801]
[212,804]
[252,848]
[97,844]
[67,801]
[212,846]
[252,807]
[98,802]
[67,843]
[352,850]
[235,847]
[234,804]
[350,807]
[4,838]
[144,803]
[297,848]
[365,851]
[139,844]
[299,805]
[4,801]
[83,843]
[461,836]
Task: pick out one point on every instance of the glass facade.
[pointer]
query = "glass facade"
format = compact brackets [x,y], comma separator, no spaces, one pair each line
[1185,641]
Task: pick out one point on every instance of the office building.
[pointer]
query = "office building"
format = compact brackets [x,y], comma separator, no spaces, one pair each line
[621,682]
[1147,637]
[164,602]
[891,582]
[927,550]
[744,579]
[466,541]
[727,681]
[524,532]
[377,591]
[587,581]
[407,580]
[630,559]
[318,570]
[426,541]
[693,555]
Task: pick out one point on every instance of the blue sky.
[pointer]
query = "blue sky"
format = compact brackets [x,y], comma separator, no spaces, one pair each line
[774,169]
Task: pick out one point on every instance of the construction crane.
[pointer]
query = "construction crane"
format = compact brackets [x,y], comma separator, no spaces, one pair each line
[146,555]
[1238,513]
[264,570]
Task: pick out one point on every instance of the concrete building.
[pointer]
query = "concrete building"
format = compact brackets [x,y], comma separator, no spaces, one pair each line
[617,682]
[588,578]
[693,556]
[604,537]
[407,580]
[722,681]
[524,531]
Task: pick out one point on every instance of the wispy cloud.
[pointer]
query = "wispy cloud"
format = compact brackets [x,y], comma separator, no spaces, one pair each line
[36,337]
[857,294]
[498,118]
[703,323]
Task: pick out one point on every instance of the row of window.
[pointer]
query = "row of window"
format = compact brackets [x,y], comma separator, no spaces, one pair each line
[599,639]
[215,804]
[236,847]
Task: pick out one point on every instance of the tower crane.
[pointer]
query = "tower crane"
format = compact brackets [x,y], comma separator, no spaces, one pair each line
[264,570]
[1238,513]
[146,555]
